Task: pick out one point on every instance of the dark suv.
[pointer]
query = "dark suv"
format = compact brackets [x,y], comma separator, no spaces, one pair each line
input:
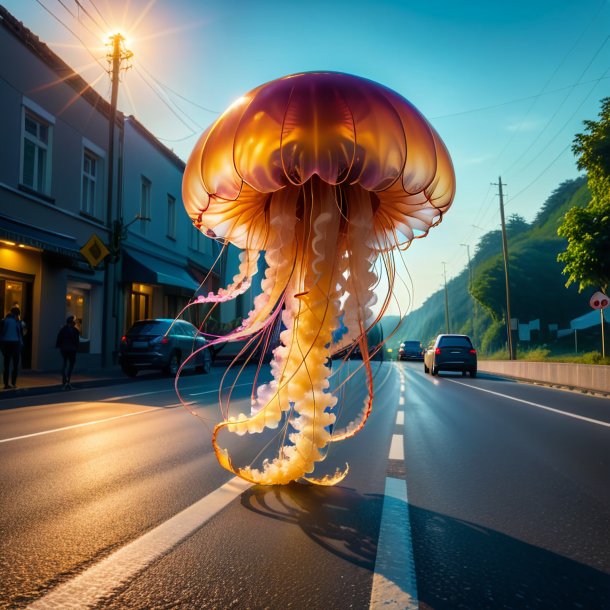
[162,344]
[451,353]
[411,350]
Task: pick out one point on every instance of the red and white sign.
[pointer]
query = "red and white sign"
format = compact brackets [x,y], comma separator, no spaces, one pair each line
[599,301]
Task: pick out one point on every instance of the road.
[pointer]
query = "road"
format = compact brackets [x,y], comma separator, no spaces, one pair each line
[111,497]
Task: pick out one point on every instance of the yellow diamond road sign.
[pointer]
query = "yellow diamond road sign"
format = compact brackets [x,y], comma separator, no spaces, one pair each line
[94,251]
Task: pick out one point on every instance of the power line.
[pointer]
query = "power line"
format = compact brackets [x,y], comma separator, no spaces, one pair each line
[73,34]
[516,100]
[541,132]
[156,92]
[79,4]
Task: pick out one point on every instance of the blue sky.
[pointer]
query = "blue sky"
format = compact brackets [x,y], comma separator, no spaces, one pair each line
[506,84]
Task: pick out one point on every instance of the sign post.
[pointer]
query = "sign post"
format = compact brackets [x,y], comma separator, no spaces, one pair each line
[600,301]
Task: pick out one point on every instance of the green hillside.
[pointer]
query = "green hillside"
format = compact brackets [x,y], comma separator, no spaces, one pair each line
[537,284]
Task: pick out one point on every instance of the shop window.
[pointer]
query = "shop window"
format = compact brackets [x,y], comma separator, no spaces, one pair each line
[78,301]
[139,303]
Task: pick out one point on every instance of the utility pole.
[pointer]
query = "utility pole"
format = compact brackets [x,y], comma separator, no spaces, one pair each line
[446,300]
[511,352]
[115,57]
[467,246]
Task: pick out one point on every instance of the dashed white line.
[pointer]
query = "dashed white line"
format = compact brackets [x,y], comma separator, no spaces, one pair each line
[400,418]
[394,582]
[101,580]
[401,401]
[534,404]
[397,451]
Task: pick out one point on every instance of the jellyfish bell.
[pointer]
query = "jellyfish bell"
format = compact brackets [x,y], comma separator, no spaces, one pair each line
[324,173]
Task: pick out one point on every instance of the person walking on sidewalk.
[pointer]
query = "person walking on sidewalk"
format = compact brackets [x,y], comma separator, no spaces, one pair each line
[67,341]
[11,344]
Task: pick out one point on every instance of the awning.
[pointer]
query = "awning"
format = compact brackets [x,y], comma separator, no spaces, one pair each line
[145,269]
[38,237]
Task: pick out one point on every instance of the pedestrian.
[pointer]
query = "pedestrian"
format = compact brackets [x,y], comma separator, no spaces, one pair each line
[11,344]
[68,339]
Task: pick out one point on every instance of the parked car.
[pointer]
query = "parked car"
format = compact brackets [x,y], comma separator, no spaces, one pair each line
[451,353]
[162,344]
[411,350]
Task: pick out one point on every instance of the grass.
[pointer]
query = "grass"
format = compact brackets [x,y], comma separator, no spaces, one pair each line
[543,354]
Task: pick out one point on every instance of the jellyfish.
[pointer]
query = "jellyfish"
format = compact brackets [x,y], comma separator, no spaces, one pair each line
[322,174]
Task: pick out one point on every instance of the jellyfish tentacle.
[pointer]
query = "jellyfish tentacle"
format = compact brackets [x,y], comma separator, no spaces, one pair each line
[248,267]
[300,371]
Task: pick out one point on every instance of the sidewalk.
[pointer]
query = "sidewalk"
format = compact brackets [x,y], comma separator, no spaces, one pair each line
[30,383]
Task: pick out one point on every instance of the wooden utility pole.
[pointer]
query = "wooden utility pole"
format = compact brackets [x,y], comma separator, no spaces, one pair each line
[474,305]
[511,351]
[447,330]
[115,57]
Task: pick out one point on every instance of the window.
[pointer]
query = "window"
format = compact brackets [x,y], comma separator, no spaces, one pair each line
[36,153]
[90,196]
[78,304]
[194,238]
[171,217]
[144,203]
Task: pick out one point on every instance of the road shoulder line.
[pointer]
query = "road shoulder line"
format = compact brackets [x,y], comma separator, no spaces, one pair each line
[101,580]
[534,404]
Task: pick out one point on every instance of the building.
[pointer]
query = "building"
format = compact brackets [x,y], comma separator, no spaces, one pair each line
[54,205]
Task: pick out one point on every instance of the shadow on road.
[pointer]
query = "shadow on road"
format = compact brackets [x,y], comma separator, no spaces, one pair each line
[339,519]
[463,565]
[459,565]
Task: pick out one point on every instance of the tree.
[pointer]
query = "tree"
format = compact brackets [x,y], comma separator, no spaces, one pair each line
[587,255]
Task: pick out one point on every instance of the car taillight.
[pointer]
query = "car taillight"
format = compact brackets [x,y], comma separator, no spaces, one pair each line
[124,339]
[437,351]
[473,351]
[165,340]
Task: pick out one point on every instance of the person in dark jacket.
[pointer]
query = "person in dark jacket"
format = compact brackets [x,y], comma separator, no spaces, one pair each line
[11,343]
[67,341]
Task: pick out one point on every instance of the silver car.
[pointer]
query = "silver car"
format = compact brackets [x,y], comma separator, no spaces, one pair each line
[163,344]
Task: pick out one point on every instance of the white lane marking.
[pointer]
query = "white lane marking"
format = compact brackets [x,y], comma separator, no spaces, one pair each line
[401,401]
[101,580]
[215,390]
[400,418]
[126,396]
[394,582]
[89,423]
[397,451]
[402,387]
[534,404]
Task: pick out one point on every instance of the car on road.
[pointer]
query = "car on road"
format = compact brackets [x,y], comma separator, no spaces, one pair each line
[163,343]
[451,353]
[411,350]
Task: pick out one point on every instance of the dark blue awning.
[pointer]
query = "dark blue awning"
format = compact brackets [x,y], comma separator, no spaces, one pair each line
[146,269]
[30,235]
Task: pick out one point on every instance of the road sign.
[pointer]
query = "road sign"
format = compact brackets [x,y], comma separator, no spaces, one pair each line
[95,251]
[599,301]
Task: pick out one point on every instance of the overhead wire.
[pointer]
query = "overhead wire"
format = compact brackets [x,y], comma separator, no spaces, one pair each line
[73,34]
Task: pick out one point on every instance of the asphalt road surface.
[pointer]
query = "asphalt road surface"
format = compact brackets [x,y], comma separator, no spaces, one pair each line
[113,498]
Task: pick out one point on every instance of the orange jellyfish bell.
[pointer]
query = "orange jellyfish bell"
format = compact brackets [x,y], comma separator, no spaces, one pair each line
[323,172]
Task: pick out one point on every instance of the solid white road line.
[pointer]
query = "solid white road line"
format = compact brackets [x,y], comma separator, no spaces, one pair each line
[99,581]
[534,404]
[400,418]
[397,451]
[89,423]
[394,582]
